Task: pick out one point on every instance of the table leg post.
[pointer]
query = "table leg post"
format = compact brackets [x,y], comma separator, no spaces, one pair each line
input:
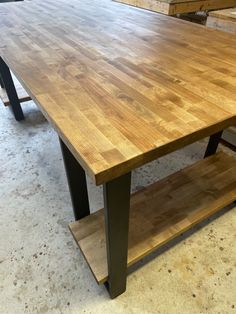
[213,144]
[11,91]
[1,82]
[77,183]
[117,204]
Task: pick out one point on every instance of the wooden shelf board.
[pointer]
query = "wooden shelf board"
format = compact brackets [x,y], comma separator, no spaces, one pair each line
[22,94]
[162,211]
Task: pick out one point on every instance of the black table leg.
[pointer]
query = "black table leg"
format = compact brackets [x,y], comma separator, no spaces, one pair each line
[77,183]
[11,91]
[1,82]
[117,204]
[213,144]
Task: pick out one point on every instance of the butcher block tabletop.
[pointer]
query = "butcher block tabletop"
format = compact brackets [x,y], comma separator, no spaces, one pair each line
[227,14]
[121,86]
[173,7]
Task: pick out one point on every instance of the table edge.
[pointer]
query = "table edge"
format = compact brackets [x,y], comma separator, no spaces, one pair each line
[134,162]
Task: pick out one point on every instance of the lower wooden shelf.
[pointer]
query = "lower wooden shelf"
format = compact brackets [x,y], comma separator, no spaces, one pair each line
[22,94]
[162,211]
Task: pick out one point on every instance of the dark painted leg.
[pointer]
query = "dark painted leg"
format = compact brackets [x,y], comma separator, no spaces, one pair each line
[77,183]
[117,204]
[11,91]
[1,82]
[213,144]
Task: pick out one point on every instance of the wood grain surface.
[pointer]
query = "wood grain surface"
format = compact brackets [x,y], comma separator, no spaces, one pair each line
[121,86]
[224,20]
[173,7]
[162,211]
[227,14]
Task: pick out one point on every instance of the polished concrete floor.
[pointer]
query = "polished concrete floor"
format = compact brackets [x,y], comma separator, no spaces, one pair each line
[43,271]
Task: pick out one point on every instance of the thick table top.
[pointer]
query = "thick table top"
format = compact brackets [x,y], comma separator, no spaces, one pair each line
[227,14]
[173,7]
[121,86]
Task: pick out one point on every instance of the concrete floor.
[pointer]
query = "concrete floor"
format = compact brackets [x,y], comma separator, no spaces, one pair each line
[43,271]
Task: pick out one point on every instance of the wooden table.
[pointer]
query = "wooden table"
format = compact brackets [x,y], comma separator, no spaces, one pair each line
[123,87]
[173,7]
[224,20]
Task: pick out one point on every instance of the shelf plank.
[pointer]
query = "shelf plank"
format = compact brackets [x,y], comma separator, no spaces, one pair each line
[162,211]
[22,94]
